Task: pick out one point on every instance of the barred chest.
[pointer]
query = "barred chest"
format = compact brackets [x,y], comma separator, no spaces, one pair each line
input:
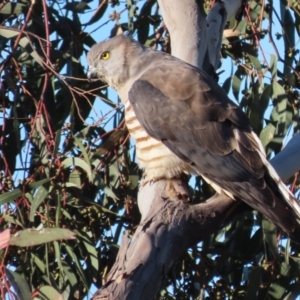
[153,156]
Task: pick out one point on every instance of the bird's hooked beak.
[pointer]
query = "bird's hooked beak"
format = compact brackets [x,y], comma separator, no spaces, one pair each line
[92,73]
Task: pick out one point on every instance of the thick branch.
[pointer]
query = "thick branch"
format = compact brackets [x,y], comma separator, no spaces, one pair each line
[194,38]
[168,230]
[216,20]
[184,20]
[287,162]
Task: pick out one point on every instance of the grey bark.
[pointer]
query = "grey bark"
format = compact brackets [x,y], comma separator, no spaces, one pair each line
[170,224]
[170,227]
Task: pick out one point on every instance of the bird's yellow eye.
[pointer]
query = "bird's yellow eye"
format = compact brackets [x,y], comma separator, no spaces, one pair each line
[105,55]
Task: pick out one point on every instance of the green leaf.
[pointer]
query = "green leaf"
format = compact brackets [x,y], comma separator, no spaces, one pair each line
[285,269]
[58,257]
[78,162]
[77,6]
[256,10]
[83,150]
[282,116]
[32,237]
[242,26]
[134,181]
[273,66]
[143,22]
[270,233]
[74,179]
[19,284]
[278,94]
[11,220]
[11,196]
[24,42]
[131,12]
[236,84]
[258,107]
[110,142]
[267,134]
[289,40]
[255,63]
[70,274]
[226,85]
[38,199]
[57,142]
[265,97]
[103,4]
[77,264]
[276,291]
[99,207]
[90,247]
[49,293]
[98,181]
[13,9]
[37,262]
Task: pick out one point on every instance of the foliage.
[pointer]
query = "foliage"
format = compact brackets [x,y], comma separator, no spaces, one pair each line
[65,165]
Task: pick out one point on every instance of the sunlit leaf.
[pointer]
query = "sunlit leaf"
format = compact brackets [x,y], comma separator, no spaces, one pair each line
[13,9]
[38,199]
[49,293]
[75,161]
[11,196]
[31,237]
[267,134]
[74,179]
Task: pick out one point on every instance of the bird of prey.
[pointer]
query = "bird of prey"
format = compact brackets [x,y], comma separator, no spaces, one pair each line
[183,121]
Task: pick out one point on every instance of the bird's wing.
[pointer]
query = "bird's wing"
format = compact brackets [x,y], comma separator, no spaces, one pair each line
[176,105]
[190,113]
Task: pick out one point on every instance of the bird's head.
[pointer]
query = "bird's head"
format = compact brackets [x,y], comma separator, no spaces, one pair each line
[111,60]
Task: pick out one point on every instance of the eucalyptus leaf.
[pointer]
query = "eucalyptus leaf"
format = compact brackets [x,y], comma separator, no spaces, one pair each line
[11,196]
[24,42]
[19,284]
[75,161]
[31,237]
[49,293]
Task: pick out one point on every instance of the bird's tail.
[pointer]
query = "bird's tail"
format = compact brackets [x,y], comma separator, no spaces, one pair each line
[285,212]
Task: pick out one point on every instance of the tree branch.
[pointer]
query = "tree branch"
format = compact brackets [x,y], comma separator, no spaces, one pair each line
[216,20]
[184,20]
[165,233]
[287,161]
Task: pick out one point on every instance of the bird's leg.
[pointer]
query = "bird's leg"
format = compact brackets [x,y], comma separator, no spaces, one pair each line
[177,188]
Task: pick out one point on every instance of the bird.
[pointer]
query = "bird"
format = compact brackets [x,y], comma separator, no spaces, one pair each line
[184,122]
